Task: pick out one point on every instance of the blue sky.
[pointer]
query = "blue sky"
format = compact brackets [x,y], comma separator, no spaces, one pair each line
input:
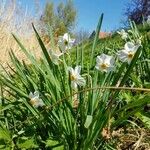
[90,10]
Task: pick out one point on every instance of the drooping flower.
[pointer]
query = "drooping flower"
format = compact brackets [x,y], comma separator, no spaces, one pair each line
[123,33]
[35,100]
[75,77]
[127,54]
[65,42]
[55,57]
[105,63]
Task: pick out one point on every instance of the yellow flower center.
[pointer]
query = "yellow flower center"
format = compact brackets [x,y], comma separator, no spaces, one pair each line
[34,101]
[104,66]
[130,55]
[73,77]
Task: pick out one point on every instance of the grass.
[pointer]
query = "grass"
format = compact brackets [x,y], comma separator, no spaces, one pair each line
[90,117]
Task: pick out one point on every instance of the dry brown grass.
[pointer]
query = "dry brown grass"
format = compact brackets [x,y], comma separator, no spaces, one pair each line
[17,20]
[132,138]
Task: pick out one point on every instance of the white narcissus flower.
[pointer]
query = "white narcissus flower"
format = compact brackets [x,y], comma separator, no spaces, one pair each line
[105,63]
[139,42]
[75,77]
[65,42]
[55,57]
[123,33]
[148,19]
[35,100]
[127,54]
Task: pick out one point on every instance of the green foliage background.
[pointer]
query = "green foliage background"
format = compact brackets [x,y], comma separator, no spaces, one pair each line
[61,19]
[108,101]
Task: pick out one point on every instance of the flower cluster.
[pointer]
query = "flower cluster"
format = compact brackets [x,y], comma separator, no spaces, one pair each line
[104,63]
